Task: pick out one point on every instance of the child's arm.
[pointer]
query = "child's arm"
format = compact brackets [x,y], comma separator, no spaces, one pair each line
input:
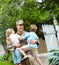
[17,45]
[24,37]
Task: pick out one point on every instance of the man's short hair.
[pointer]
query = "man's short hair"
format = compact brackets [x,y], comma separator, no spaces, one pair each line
[33,28]
[19,22]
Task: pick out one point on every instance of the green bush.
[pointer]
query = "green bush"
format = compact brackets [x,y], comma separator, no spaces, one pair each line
[6,57]
[6,63]
[54,59]
[10,12]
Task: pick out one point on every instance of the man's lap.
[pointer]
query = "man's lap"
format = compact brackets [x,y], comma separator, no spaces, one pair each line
[28,47]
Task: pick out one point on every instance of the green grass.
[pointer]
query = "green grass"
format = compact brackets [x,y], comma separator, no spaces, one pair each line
[6,63]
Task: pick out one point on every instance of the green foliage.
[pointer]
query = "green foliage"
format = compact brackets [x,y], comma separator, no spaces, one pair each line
[6,63]
[6,57]
[54,59]
[30,12]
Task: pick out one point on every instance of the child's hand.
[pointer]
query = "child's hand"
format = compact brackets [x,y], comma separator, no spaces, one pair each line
[20,38]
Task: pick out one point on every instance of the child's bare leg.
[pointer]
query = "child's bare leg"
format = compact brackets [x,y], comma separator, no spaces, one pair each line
[19,64]
[39,61]
[22,52]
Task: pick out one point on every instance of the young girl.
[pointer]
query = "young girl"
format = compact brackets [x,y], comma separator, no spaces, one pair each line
[12,45]
[12,39]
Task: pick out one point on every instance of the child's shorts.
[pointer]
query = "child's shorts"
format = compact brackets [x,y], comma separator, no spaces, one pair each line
[16,56]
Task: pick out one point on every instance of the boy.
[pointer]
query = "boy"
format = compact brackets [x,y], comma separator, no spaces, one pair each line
[31,46]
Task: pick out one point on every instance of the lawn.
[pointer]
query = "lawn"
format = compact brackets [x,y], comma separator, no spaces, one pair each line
[6,63]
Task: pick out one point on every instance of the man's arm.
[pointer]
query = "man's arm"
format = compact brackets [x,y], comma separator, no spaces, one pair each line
[35,41]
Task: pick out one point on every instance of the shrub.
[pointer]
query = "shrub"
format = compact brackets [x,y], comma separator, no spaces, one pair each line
[54,59]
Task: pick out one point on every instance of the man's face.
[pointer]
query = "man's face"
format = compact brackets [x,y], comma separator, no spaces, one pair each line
[20,27]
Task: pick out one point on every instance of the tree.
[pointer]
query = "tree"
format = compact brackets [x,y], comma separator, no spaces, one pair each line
[30,11]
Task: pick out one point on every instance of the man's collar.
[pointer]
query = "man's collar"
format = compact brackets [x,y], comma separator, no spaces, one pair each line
[20,33]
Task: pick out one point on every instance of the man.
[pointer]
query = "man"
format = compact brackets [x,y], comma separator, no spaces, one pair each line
[21,32]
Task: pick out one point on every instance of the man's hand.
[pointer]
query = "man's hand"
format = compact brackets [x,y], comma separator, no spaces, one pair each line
[35,41]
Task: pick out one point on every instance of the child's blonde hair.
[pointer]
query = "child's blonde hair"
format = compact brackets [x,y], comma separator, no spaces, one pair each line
[8,32]
[33,28]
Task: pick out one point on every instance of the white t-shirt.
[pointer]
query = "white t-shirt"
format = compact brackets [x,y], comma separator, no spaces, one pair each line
[14,38]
